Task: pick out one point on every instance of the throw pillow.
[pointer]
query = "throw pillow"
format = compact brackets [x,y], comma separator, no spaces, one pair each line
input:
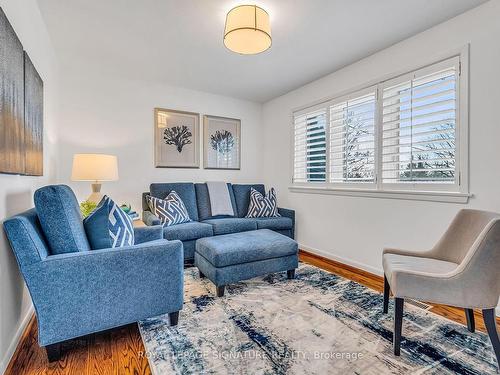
[170,210]
[263,206]
[108,226]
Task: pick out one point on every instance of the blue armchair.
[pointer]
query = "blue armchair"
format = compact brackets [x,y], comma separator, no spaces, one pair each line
[83,292]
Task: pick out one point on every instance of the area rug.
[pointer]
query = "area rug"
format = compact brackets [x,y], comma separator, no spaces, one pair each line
[318,323]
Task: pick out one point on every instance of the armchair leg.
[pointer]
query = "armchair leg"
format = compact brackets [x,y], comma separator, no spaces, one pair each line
[174,318]
[53,352]
[491,327]
[290,274]
[220,290]
[469,315]
[387,289]
[398,325]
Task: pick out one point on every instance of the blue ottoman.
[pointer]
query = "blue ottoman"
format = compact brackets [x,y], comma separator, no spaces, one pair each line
[241,256]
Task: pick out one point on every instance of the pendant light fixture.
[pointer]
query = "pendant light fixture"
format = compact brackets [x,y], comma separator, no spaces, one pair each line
[248,30]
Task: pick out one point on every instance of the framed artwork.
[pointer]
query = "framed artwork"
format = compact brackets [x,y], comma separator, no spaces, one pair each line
[12,156]
[222,140]
[33,119]
[176,139]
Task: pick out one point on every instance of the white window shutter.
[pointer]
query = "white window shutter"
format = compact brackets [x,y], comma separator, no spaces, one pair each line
[310,146]
[419,126]
[352,139]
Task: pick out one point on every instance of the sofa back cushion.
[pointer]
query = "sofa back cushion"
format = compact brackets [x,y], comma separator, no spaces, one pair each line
[108,226]
[61,219]
[242,196]
[185,190]
[203,200]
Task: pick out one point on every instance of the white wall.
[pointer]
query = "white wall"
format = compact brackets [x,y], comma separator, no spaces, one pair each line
[355,229]
[115,116]
[16,192]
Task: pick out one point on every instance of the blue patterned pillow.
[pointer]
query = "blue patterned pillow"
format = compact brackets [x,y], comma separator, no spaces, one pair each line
[108,226]
[170,210]
[263,206]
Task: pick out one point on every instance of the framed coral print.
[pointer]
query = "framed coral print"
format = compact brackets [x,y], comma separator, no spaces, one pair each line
[222,140]
[176,139]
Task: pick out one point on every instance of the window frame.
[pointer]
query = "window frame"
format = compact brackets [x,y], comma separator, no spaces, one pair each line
[457,192]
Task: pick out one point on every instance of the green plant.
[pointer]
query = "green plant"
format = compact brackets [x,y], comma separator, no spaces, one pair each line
[87,207]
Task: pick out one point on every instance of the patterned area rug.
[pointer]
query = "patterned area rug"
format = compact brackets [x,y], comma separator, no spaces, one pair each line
[318,323]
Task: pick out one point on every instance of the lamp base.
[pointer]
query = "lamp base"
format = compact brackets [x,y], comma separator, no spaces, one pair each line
[96,195]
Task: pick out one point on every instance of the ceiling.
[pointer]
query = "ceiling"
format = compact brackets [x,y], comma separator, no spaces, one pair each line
[179,42]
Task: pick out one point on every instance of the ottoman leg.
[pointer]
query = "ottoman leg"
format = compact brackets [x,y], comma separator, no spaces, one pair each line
[202,275]
[220,291]
[174,318]
[290,274]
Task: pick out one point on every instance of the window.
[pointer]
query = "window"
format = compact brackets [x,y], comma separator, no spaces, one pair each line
[419,126]
[402,134]
[310,146]
[352,139]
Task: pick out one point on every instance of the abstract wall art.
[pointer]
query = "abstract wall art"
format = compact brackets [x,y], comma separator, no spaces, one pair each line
[21,107]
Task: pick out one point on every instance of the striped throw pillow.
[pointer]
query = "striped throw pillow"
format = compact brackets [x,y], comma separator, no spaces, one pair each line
[170,210]
[263,206]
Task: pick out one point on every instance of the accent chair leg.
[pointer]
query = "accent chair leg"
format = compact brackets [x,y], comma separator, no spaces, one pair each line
[174,318]
[491,327]
[202,275]
[398,325]
[53,352]
[387,289]
[220,291]
[471,324]
[290,274]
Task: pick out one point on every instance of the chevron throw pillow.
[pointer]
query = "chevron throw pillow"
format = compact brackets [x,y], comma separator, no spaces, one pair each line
[108,226]
[170,210]
[263,206]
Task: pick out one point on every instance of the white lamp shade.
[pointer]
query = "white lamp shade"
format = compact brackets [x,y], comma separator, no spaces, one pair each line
[248,30]
[94,167]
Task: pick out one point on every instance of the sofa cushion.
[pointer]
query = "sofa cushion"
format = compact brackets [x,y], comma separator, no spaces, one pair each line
[274,223]
[238,248]
[242,196]
[188,231]
[185,191]
[170,210]
[108,226]
[203,201]
[263,205]
[61,219]
[231,225]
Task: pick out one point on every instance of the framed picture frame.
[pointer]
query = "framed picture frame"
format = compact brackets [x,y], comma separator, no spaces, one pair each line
[221,142]
[177,139]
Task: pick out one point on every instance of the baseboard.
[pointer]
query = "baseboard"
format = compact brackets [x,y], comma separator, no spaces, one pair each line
[16,339]
[336,258]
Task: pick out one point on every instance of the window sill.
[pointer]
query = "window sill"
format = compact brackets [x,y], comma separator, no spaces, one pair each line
[431,196]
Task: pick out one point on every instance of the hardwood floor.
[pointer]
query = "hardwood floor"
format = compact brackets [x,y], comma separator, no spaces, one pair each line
[120,351]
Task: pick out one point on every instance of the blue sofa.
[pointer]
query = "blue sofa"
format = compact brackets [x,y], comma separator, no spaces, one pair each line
[86,291]
[197,201]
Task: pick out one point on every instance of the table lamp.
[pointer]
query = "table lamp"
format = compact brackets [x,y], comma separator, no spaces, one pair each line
[96,168]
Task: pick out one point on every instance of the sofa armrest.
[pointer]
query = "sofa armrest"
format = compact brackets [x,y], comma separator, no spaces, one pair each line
[146,234]
[79,293]
[286,212]
[149,218]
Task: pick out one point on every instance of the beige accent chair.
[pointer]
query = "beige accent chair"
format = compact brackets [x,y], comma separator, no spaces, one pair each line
[462,269]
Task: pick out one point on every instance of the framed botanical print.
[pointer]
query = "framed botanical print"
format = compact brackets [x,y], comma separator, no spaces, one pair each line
[176,139]
[222,140]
